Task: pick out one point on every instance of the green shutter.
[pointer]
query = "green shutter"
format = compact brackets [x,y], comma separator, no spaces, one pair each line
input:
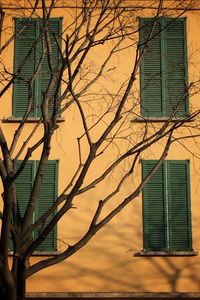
[163,68]
[179,206]
[154,209]
[23,43]
[47,196]
[166,207]
[45,75]
[23,188]
[24,185]
[46,199]
[176,66]
[150,71]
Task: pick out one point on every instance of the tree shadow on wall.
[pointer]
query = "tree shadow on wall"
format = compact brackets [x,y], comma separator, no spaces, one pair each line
[107,264]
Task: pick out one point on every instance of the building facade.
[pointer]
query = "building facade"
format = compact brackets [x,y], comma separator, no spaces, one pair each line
[152,245]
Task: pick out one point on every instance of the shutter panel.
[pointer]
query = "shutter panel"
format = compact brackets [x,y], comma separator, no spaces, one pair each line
[23,188]
[176,65]
[23,43]
[150,71]
[24,185]
[46,199]
[45,75]
[179,206]
[154,209]
[163,69]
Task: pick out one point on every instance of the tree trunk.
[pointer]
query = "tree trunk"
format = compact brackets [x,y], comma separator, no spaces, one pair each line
[21,283]
[11,288]
[8,289]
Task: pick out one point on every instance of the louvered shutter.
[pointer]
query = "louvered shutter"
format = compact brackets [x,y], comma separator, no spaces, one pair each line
[163,68]
[150,70]
[46,199]
[45,74]
[23,43]
[176,66]
[23,185]
[154,209]
[179,206]
[47,196]
[167,208]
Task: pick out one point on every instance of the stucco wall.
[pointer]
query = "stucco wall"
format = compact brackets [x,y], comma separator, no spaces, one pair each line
[107,262]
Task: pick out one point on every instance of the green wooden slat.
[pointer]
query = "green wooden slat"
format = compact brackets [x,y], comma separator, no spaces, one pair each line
[46,199]
[176,69]
[45,73]
[150,71]
[47,196]
[23,43]
[24,185]
[179,206]
[163,68]
[154,209]
[166,207]
[23,188]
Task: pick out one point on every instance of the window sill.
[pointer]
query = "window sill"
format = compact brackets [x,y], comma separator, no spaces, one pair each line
[160,119]
[41,253]
[29,120]
[112,295]
[166,253]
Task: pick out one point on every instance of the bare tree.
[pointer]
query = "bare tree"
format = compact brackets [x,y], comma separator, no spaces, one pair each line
[105,104]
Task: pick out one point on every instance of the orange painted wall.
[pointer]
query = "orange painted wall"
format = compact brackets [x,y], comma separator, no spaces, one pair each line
[107,263]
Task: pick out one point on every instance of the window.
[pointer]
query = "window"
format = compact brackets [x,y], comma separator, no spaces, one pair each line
[166,207]
[163,69]
[27,54]
[47,196]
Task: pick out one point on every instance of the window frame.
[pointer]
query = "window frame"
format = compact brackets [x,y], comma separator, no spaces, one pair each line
[167,250]
[35,114]
[164,100]
[41,250]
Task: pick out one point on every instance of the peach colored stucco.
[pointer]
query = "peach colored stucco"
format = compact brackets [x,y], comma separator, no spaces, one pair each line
[107,263]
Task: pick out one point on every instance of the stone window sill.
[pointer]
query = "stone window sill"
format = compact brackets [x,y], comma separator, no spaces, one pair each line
[111,295]
[29,120]
[166,253]
[41,253]
[159,119]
